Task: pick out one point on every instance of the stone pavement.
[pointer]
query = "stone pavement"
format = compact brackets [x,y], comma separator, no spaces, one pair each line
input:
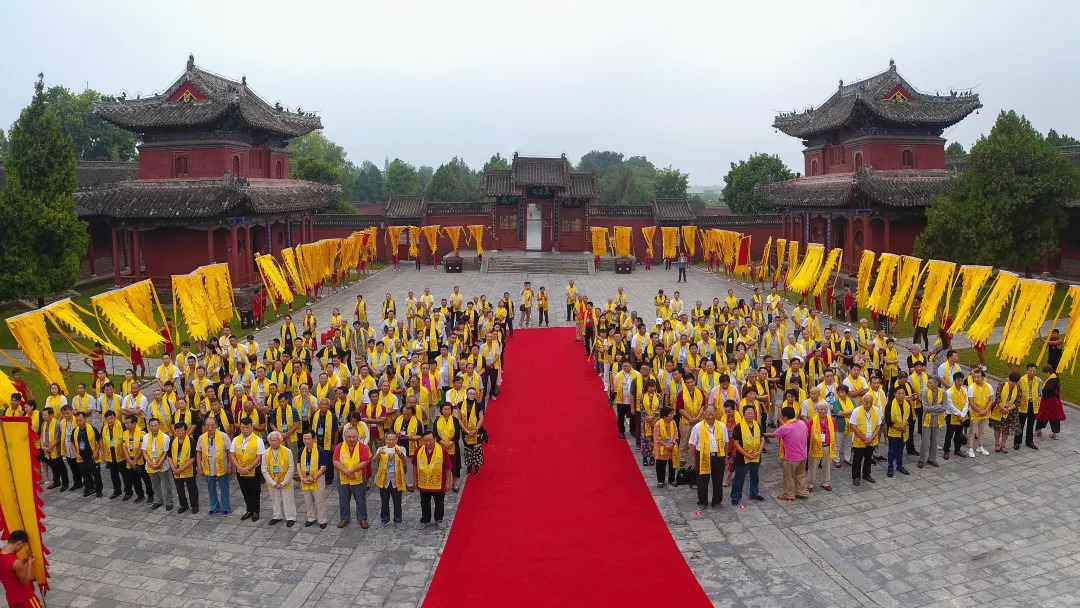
[997,529]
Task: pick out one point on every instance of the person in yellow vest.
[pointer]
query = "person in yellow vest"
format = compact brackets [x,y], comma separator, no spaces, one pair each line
[86,445]
[1028,407]
[542,308]
[448,433]
[352,459]
[1003,416]
[246,458]
[708,440]
[651,402]
[277,470]
[933,420]
[182,456]
[212,451]
[390,461]
[410,430]
[51,450]
[286,420]
[112,451]
[134,474]
[311,469]
[155,451]
[472,430]
[527,297]
[431,464]
[957,410]
[746,443]
[571,301]
[626,384]
[981,401]
[865,423]
[898,415]
[823,440]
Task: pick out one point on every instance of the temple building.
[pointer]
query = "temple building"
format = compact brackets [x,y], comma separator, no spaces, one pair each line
[212,186]
[873,157]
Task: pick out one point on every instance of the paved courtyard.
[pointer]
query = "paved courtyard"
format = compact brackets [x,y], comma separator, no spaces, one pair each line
[997,530]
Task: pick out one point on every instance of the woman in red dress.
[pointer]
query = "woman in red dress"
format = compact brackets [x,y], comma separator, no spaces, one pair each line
[1050,409]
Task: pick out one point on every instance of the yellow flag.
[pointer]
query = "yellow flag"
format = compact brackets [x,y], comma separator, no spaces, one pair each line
[276,285]
[431,234]
[973,278]
[454,232]
[414,241]
[599,241]
[649,232]
[622,241]
[996,301]
[763,270]
[807,273]
[689,240]
[1029,310]
[832,263]
[31,335]
[781,249]
[670,237]
[115,307]
[192,303]
[19,492]
[881,295]
[866,268]
[476,231]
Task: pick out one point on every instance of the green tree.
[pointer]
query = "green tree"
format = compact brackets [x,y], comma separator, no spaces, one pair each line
[314,157]
[45,240]
[1006,209]
[423,174]
[741,179]
[3,145]
[644,174]
[314,170]
[604,163]
[496,162]
[368,186]
[622,189]
[1056,140]
[92,137]
[452,181]
[955,149]
[400,178]
[670,183]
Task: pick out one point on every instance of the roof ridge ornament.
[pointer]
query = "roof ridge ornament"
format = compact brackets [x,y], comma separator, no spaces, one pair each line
[191,62]
[892,65]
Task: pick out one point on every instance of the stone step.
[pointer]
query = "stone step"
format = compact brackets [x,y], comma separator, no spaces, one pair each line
[536,265]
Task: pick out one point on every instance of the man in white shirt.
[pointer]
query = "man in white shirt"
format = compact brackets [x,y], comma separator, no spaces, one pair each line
[716,438]
[155,449]
[135,404]
[217,485]
[950,366]
[246,458]
[980,401]
[277,470]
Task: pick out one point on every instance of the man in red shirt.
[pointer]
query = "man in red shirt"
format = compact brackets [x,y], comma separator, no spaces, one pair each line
[16,573]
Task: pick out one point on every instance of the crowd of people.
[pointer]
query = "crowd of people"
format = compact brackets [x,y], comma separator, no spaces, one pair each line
[704,388]
[397,404]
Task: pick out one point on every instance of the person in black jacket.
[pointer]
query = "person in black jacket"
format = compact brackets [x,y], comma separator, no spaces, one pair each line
[448,433]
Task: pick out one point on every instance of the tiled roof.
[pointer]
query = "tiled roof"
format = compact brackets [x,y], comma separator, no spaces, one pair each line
[621,211]
[540,171]
[583,184]
[673,209]
[497,182]
[714,221]
[444,208]
[910,188]
[223,97]
[405,206]
[872,97]
[96,173]
[199,198]
[346,220]
[553,172]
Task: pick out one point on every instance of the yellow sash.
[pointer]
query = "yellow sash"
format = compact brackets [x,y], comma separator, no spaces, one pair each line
[310,465]
[399,469]
[692,404]
[181,451]
[249,451]
[279,466]
[349,460]
[155,445]
[667,432]
[751,439]
[445,429]
[935,398]
[219,453]
[705,441]
[429,469]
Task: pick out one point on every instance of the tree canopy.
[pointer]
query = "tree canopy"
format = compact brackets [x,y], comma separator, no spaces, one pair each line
[400,178]
[1054,139]
[955,149]
[616,187]
[622,189]
[671,183]
[368,183]
[453,181]
[1006,208]
[496,162]
[3,145]
[740,180]
[45,239]
[92,137]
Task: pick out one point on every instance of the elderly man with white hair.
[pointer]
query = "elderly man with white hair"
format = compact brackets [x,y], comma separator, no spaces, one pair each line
[277,470]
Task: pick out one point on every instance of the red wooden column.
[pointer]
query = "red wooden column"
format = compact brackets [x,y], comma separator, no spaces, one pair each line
[868,235]
[115,257]
[90,252]
[136,256]
[249,254]
[209,244]
[888,222]
[233,259]
[849,244]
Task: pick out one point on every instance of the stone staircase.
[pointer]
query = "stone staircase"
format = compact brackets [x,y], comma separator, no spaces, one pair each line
[548,263]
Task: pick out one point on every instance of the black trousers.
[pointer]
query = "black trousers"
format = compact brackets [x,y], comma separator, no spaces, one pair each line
[914,425]
[954,437]
[91,476]
[510,324]
[187,492]
[115,475]
[570,312]
[590,335]
[854,314]
[543,317]
[251,488]
[667,263]
[717,475]
[59,471]
[1055,425]
[921,331]
[682,275]
[861,459]
[661,467]
[1026,425]
[391,493]
[425,505]
[135,480]
[76,472]
[492,377]
[622,412]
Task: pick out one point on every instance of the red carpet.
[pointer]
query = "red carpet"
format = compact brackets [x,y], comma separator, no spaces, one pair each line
[560,515]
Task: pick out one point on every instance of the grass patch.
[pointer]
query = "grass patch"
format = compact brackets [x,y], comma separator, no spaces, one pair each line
[40,388]
[1070,383]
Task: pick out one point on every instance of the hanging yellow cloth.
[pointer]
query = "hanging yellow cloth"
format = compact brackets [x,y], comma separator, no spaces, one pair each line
[393,239]
[599,238]
[476,233]
[906,284]
[191,301]
[781,249]
[115,307]
[276,285]
[65,313]
[670,237]
[973,278]
[454,232]
[689,240]
[883,286]
[7,389]
[33,339]
[372,248]
[939,277]
[807,273]
[866,267]
[219,288]
[288,258]
[763,269]
[649,232]
[431,234]
[793,263]
[622,241]
[414,241]
[1071,339]
[836,257]
[1025,319]
[19,492]
[742,255]
[1000,293]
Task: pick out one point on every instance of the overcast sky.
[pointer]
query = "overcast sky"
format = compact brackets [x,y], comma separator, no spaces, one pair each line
[693,85]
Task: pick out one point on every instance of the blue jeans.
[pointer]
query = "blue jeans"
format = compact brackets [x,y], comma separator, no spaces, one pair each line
[896,453]
[357,492]
[216,486]
[740,476]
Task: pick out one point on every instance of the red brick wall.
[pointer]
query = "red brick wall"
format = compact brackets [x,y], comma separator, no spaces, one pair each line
[888,156]
[212,162]
[637,241]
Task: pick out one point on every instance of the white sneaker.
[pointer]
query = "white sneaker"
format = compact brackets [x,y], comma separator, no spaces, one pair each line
[983,451]
[970,453]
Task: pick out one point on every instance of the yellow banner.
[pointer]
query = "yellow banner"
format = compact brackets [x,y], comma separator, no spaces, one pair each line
[996,301]
[431,235]
[454,233]
[781,249]
[836,257]
[807,274]
[191,301]
[276,285]
[288,257]
[19,491]
[973,278]
[476,231]
[65,313]
[623,234]
[7,389]
[793,263]
[1028,312]
[881,295]
[670,237]
[1071,337]
[115,306]
[393,238]
[649,232]
[763,270]
[599,241]
[414,241]
[33,339]
[906,285]
[866,268]
[689,240]
[939,276]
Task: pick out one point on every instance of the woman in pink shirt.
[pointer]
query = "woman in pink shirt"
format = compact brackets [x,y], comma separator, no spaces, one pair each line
[793,434]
